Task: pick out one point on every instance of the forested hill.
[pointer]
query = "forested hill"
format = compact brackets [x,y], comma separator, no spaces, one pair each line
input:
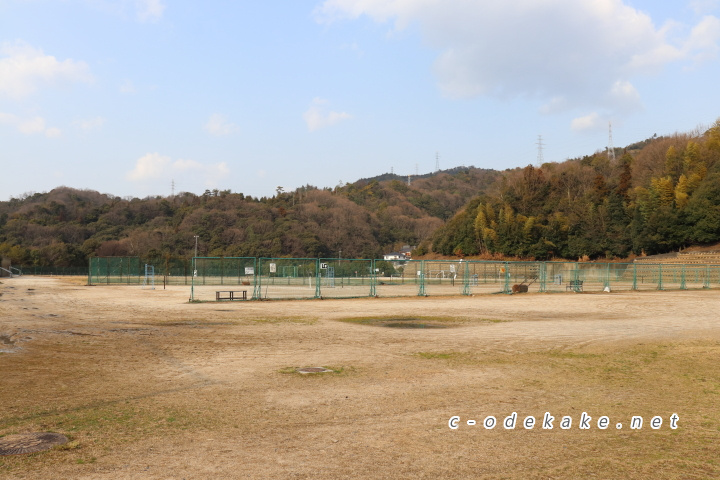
[659,195]
[363,219]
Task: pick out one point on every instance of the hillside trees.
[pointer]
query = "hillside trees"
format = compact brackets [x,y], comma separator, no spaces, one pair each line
[665,197]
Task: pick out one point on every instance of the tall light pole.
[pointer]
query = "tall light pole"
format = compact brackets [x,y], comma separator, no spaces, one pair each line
[196,237]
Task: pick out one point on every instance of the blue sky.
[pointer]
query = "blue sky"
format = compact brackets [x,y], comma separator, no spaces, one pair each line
[127,96]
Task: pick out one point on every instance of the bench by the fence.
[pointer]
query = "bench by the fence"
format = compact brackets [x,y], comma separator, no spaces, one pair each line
[576,285]
[231,295]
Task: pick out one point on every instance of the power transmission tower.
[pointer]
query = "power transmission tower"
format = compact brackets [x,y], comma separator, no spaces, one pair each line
[437,162]
[611,147]
[540,156]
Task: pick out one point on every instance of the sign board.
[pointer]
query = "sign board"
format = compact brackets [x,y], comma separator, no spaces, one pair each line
[249,270]
[323,266]
[273,268]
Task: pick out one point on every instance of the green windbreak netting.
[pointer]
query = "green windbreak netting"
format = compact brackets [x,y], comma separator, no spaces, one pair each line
[221,278]
[115,270]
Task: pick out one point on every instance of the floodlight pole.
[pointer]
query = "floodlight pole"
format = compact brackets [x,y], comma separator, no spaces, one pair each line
[196,240]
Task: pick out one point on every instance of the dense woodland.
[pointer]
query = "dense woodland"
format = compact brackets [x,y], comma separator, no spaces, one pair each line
[361,220]
[659,195]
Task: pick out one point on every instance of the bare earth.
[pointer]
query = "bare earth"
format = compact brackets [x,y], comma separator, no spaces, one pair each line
[147,385]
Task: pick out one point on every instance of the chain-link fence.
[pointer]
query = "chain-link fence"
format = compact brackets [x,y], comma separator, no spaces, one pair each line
[115,270]
[50,271]
[214,278]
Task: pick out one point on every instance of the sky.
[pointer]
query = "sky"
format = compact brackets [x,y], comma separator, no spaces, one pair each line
[139,98]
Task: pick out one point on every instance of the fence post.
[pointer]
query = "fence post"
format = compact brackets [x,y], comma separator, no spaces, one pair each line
[660,279]
[317,278]
[607,276]
[466,279]
[192,281]
[706,280]
[421,288]
[257,291]
[543,277]
[683,285]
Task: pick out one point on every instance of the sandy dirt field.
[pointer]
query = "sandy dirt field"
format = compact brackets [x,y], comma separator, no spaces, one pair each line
[147,385]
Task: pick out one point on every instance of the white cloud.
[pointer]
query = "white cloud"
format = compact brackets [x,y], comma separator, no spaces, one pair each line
[219,126]
[53,132]
[29,126]
[150,166]
[317,116]
[127,87]
[592,122]
[564,52]
[624,97]
[149,10]
[90,123]
[24,70]
[154,166]
[704,6]
[703,42]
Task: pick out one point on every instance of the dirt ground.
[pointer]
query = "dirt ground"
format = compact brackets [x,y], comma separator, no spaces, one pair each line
[147,385]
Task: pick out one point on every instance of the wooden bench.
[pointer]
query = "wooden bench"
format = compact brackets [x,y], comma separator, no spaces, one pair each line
[231,295]
[575,285]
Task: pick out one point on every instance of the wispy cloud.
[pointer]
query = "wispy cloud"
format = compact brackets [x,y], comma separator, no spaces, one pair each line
[25,69]
[127,87]
[567,53]
[153,166]
[30,126]
[90,123]
[591,122]
[317,116]
[219,126]
[149,10]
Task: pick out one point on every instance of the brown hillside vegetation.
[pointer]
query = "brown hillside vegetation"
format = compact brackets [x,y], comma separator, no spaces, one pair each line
[659,196]
[365,219]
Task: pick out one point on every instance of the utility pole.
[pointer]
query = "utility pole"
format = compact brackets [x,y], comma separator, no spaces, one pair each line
[196,240]
[611,147]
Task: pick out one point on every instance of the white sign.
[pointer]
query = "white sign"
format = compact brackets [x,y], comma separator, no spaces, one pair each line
[273,268]
[323,266]
[249,270]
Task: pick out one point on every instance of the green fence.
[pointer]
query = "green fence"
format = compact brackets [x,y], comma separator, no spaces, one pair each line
[219,274]
[305,278]
[115,270]
[131,271]
[281,278]
[50,271]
